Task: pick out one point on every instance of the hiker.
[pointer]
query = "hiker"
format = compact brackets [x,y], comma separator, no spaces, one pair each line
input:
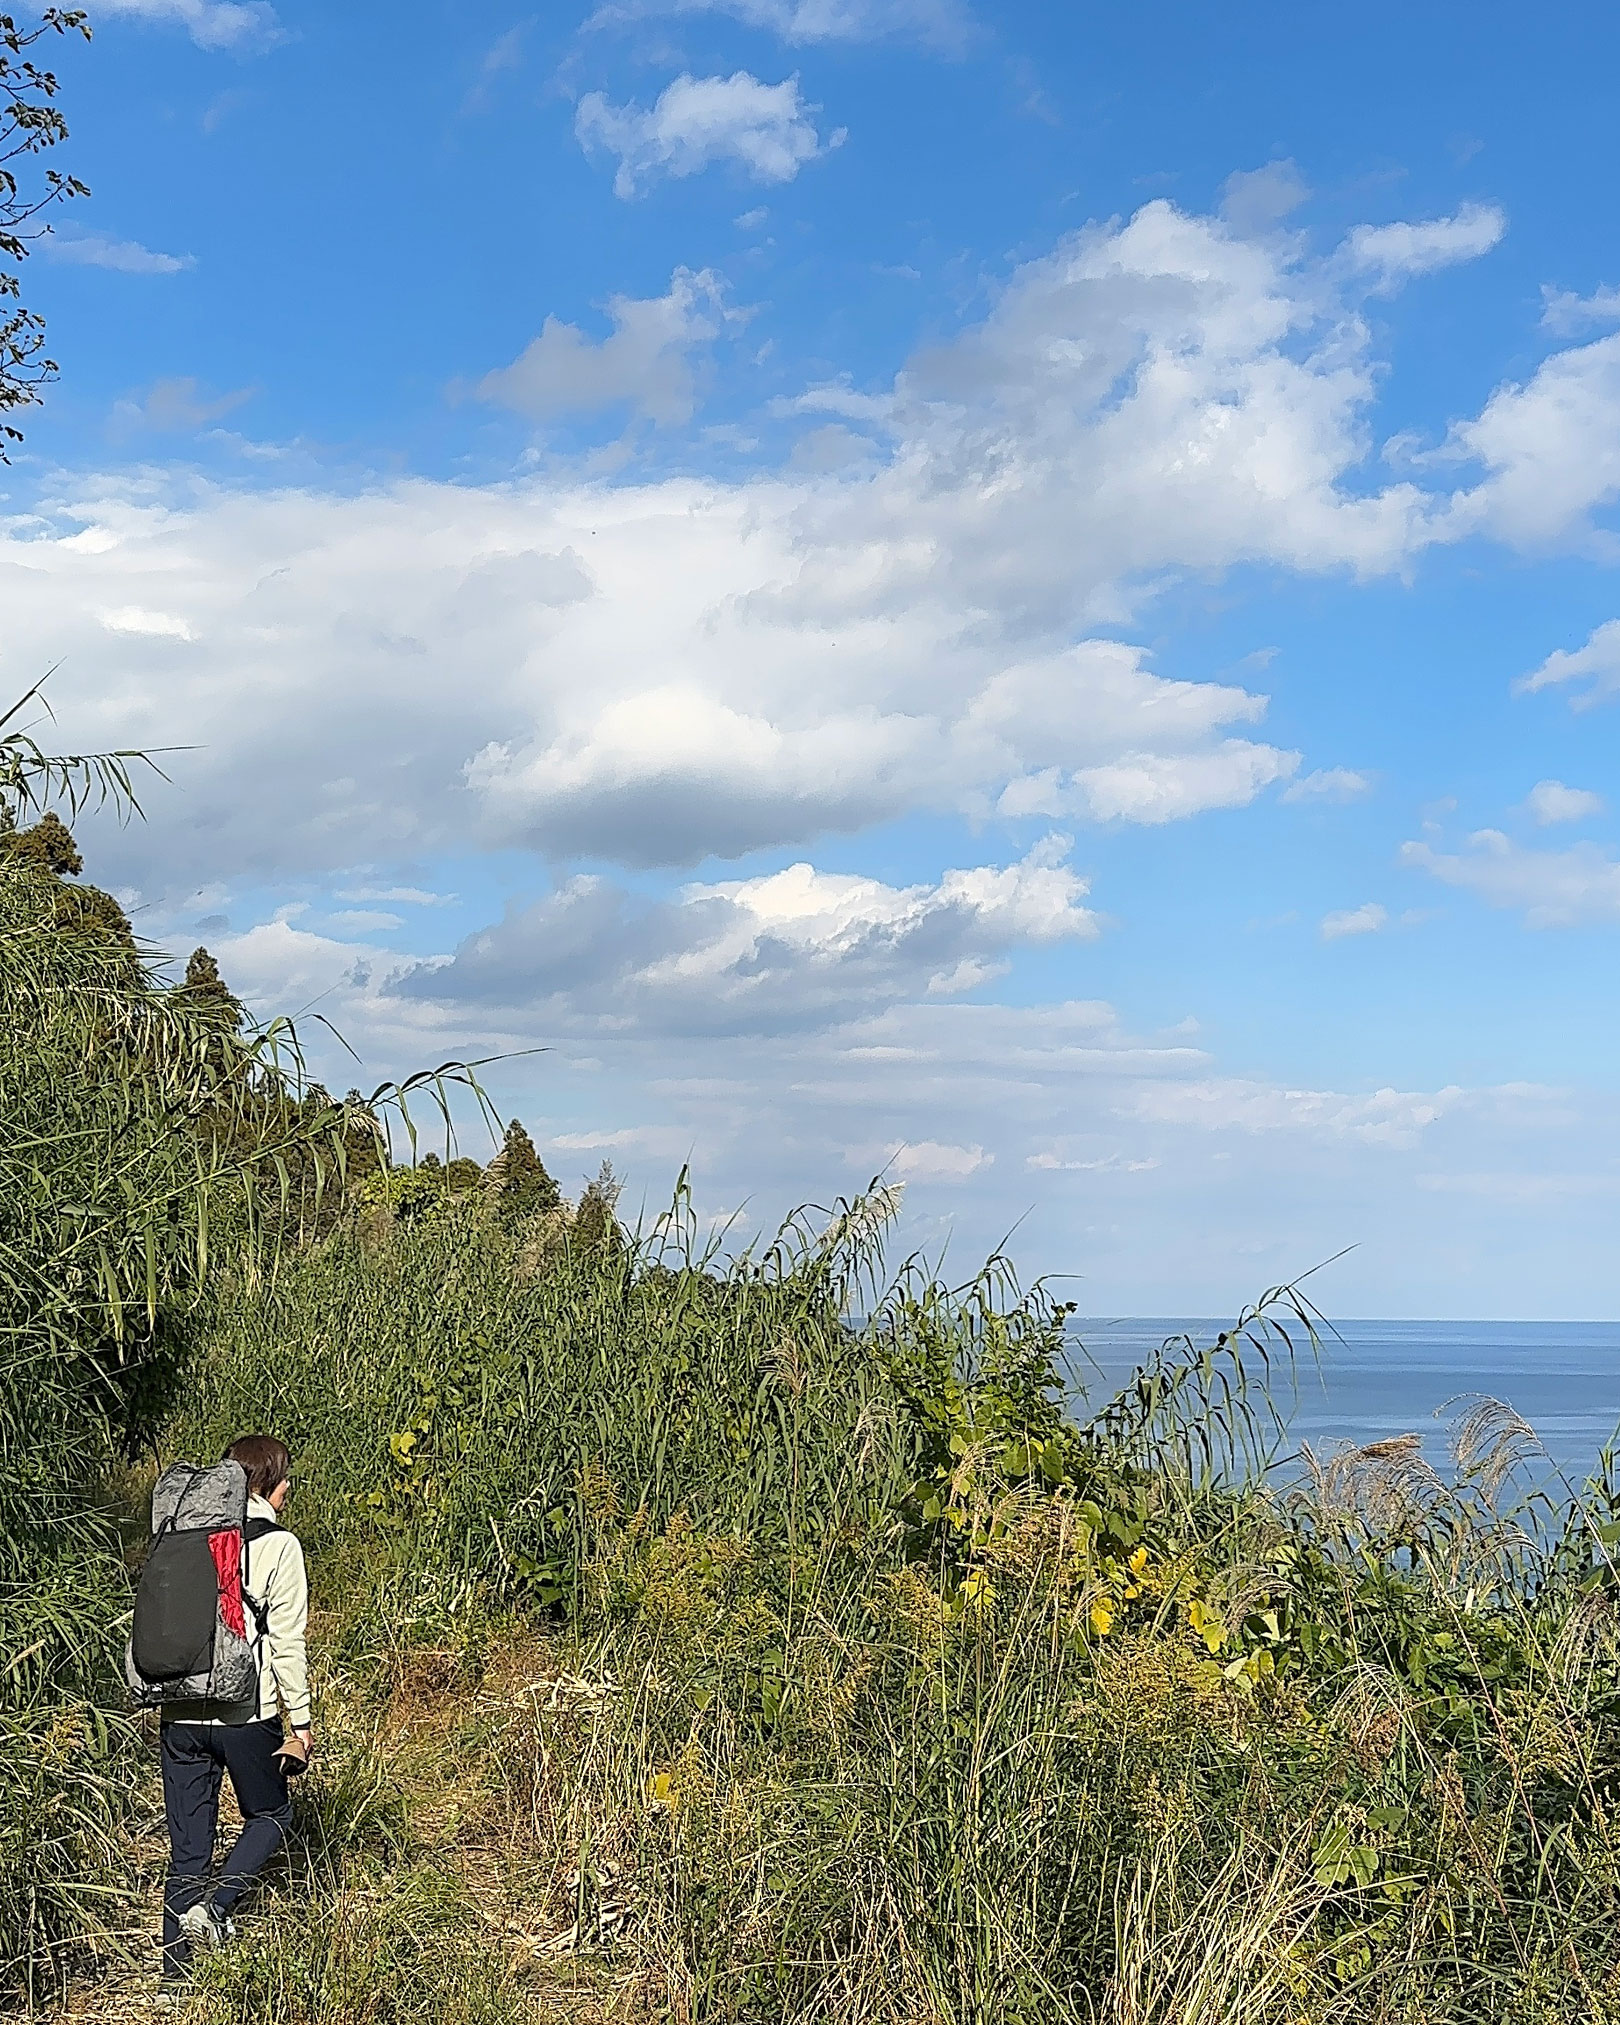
[200,1740]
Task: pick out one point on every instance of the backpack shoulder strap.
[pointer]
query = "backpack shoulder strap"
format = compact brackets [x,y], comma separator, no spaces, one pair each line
[255,1529]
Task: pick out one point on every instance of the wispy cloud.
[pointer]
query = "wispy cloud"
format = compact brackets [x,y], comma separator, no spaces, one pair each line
[943,24]
[1392,253]
[503,54]
[1329,784]
[1565,312]
[928,1160]
[399,896]
[1553,889]
[244,27]
[1597,664]
[175,404]
[1367,919]
[122,256]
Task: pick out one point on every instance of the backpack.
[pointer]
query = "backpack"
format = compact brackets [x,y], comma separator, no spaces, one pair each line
[190,1640]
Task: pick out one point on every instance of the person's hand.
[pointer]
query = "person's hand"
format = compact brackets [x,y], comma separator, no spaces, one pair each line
[297,1752]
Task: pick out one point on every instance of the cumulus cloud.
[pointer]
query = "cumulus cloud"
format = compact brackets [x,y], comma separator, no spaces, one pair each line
[766,129]
[1553,889]
[1549,801]
[122,256]
[646,361]
[1550,448]
[793,948]
[1097,1139]
[1597,664]
[1367,919]
[1391,254]
[243,27]
[655,672]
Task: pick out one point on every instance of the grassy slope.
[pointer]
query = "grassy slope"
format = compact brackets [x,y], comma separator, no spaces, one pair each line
[688,1653]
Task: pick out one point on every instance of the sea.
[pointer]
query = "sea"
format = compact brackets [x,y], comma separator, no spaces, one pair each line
[1373,1379]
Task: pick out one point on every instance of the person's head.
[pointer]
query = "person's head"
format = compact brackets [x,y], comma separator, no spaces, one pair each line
[268,1466]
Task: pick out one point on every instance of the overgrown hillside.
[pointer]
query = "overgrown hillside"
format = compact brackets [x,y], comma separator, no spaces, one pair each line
[712,1654]
[749,1637]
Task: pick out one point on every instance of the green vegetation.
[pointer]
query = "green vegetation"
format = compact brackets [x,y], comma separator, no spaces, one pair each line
[740,1637]
[31,123]
[755,1664]
[151,1156]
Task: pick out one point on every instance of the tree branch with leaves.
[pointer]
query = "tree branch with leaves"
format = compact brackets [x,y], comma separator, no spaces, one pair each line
[31,123]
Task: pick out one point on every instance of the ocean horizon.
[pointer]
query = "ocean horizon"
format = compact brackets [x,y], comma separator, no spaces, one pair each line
[1376,1378]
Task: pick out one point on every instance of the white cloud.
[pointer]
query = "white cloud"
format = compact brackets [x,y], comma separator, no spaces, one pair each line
[1163,788]
[1549,801]
[1555,889]
[399,896]
[766,129]
[930,1160]
[1254,200]
[788,949]
[1329,784]
[1050,1160]
[1393,253]
[144,624]
[1221,1104]
[1097,1140]
[1565,312]
[655,672]
[1550,448]
[122,256]
[946,23]
[646,360]
[1598,662]
[241,26]
[1367,919]
[179,403]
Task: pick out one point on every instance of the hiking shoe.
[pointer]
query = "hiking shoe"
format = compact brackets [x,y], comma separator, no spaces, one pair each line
[206,1926]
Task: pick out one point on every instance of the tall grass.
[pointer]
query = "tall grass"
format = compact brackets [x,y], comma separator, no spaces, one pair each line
[880,1681]
[140,1146]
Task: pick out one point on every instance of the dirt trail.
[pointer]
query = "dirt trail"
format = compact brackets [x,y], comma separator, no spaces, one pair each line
[434,1732]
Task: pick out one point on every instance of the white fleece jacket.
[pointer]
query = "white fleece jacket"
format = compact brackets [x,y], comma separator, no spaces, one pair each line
[275,1576]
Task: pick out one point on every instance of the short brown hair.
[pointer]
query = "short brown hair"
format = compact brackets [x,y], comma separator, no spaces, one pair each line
[264,1458]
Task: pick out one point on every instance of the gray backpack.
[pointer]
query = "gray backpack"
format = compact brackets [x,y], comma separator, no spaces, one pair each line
[198,1628]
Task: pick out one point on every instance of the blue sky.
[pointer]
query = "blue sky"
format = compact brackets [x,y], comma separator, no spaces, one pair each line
[1025,599]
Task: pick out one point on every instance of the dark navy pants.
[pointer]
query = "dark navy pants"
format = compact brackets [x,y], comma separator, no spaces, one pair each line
[194,1756]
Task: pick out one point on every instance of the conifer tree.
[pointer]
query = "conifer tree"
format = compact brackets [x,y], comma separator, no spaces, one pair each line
[518,1179]
[46,849]
[208,997]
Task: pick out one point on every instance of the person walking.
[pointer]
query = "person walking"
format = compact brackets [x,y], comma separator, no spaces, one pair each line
[199,1742]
